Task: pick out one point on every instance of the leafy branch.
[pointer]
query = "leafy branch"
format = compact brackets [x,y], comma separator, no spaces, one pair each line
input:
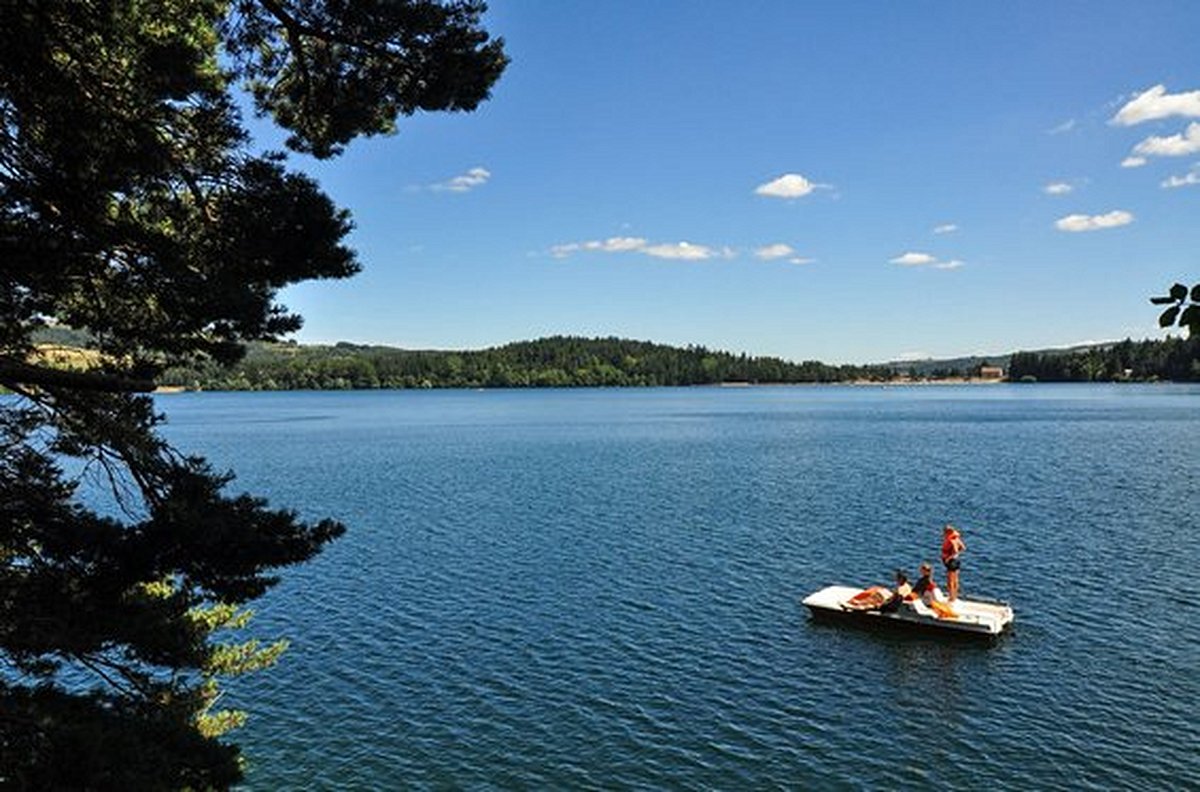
[1184,310]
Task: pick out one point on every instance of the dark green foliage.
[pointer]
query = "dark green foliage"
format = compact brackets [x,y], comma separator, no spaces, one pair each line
[131,208]
[331,70]
[1183,311]
[106,742]
[548,362]
[1172,359]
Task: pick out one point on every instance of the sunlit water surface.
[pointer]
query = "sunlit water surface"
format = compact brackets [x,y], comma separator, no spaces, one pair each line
[600,588]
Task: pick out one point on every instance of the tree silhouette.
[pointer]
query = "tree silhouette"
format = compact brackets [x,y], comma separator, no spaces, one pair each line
[131,207]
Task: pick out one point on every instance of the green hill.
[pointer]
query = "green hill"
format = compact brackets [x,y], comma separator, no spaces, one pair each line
[569,361]
[560,361]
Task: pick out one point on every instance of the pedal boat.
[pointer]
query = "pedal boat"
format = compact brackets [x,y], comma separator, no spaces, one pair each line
[985,618]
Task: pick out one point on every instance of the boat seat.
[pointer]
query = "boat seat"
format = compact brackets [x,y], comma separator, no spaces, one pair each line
[922,609]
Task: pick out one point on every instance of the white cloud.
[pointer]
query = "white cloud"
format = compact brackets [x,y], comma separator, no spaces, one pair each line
[789,185]
[1187,179]
[1082,222]
[945,228]
[1182,144]
[1155,103]
[684,251]
[1133,162]
[1057,188]
[777,251]
[1065,126]
[466,182]
[913,259]
[617,244]
[610,245]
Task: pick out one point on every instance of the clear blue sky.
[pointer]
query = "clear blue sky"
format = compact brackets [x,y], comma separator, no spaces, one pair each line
[853,181]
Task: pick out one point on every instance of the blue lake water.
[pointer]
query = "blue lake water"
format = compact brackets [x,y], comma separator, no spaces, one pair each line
[600,588]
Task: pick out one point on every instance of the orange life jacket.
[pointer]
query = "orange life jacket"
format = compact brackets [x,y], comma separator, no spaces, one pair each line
[952,545]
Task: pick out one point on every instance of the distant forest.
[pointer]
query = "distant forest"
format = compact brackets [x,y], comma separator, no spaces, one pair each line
[564,361]
[549,362]
[1174,359]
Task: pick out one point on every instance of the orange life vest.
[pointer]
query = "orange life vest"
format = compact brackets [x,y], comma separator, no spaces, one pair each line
[951,546]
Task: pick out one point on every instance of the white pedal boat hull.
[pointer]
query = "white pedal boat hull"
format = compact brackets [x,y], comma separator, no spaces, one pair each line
[973,617]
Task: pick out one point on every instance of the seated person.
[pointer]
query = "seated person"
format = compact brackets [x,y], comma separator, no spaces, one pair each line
[926,587]
[901,594]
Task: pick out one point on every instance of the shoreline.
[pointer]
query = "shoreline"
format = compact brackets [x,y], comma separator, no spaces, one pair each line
[168,390]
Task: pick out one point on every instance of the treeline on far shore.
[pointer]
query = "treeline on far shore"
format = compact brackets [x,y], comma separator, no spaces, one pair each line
[549,362]
[564,361]
[567,361]
[1171,359]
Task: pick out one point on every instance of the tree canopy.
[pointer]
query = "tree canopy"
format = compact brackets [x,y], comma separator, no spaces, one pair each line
[560,361]
[1169,359]
[132,206]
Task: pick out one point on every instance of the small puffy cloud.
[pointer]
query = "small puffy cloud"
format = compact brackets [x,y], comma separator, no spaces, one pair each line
[466,182]
[1133,162]
[617,244]
[913,259]
[1082,222]
[1179,145]
[777,251]
[945,228]
[610,245]
[789,185]
[1155,103]
[1057,188]
[1186,180]
[681,251]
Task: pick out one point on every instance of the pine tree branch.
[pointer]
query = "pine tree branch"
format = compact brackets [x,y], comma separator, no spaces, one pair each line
[16,373]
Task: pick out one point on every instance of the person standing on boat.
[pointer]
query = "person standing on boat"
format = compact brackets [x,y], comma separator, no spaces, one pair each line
[952,547]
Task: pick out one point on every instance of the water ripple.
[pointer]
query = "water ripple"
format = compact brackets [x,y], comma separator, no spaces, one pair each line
[599,590]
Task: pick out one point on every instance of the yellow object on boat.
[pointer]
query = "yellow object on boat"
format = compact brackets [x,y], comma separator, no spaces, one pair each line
[942,610]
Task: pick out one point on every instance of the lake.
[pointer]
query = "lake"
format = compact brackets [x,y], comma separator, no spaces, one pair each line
[553,589]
